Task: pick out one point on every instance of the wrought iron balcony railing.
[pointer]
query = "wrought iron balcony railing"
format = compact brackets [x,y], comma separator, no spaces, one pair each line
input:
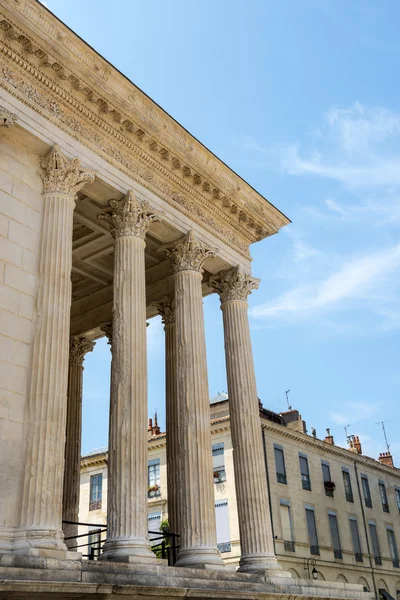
[289,546]
[281,478]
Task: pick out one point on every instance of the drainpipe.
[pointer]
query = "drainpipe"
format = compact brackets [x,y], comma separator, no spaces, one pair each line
[366,531]
[268,485]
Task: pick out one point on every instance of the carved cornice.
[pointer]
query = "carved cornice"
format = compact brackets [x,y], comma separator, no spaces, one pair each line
[187,253]
[129,217]
[166,308]
[68,83]
[78,347]
[233,284]
[61,175]
[7,118]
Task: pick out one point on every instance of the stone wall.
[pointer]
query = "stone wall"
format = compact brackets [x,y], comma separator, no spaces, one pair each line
[20,225]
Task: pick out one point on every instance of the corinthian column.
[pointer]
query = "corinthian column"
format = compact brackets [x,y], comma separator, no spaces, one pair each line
[256,540]
[41,510]
[77,349]
[127,536]
[166,308]
[198,541]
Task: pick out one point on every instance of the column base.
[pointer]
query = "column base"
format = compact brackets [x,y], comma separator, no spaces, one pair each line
[199,558]
[261,563]
[48,543]
[128,550]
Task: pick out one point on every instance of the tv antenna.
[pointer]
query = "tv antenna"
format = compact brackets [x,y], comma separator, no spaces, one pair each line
[345,429]
[384,433]
[287,399]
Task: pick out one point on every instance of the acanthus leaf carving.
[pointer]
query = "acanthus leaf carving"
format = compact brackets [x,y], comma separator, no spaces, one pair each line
[187,253]
[62,175]
[78,347]
[107,329]
[166,308]
[129,217]
[233,284]
[7,118]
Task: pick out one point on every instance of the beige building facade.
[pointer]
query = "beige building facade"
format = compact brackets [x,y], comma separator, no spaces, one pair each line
[328,504]
[111,213]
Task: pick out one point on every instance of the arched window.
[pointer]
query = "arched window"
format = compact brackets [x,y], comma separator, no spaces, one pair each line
[362,581]
[341,578]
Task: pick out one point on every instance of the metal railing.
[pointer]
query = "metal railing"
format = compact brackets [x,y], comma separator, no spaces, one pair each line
[167,548]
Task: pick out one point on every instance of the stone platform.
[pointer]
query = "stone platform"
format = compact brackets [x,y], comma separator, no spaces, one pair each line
[23,578]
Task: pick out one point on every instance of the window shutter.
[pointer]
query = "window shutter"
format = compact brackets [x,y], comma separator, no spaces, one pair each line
[287,535]
[222,519]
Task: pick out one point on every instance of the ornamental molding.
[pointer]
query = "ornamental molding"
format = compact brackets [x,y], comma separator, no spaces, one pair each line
[62,175]
[78,347]
[64,80]
[187,253]
[7,118]
[233,284]
[129,217]
[166,308]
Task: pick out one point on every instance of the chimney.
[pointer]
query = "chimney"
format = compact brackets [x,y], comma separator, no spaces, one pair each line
[357,444]
[329,438]
[385,458]
[292,420]
[156,429]
[150,428]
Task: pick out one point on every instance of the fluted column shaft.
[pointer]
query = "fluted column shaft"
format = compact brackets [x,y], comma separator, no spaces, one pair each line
[73,436]
[256,540]
[127,536]
[41,507]
[198,541]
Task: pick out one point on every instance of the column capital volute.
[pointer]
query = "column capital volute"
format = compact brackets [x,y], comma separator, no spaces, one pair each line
[78,347]
[166,308]
[107,329]
[129,217]
[187,253]
[233,284]
[7,118]
[62,175]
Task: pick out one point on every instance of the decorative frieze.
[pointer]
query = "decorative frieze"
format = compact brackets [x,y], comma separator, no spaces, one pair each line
[233,284]
[129,217]
[7,118]
[187,253]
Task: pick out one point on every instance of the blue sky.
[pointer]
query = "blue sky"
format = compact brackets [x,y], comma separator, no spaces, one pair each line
[301,99]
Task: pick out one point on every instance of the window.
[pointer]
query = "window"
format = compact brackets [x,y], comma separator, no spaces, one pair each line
[153,478]
[355,536]
[153,525]
[328,483]
[223,531]
[305,473]
[218,459]
[96,491]
[286,521]
[312,531]
[397,495]
[383,495]
[333,524]
[94,543]
[393,547]
[280,464]
[366,491]
[375,542]
[347,485]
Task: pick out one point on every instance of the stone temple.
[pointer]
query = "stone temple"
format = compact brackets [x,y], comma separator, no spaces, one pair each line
[111,213]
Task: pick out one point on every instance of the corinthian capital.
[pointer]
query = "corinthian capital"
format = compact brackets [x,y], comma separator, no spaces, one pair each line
[7,118]
[78,347]
[166,308]
[233,284]
[187,253]
[63,175]
[129,217]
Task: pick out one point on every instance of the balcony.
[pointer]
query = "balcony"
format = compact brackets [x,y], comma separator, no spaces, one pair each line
[220,475]
[337,553]
[378,560]
[359,557]
[224,547]
[96,505]
[154,491]
[385,507]
[289,546]
[306,483]
[281,478]
[314,550]
[349,497]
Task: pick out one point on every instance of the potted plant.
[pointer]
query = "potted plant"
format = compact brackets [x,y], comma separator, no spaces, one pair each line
[330,486]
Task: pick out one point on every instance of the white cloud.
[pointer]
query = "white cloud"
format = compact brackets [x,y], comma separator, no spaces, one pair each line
[356,278]
[355,412]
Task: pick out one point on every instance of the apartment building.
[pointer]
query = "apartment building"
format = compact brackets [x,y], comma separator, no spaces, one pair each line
[335,512]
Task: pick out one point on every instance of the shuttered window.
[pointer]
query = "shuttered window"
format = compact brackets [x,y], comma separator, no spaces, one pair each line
[153,524]
[333,525]
[280,465]
[375,543]
[305,473]
[222,519]
[393,547]
[355,536]
[312,530]
[218,459]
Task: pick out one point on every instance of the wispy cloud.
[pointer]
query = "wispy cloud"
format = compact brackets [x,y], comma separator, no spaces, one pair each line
[356,412]
[358,278]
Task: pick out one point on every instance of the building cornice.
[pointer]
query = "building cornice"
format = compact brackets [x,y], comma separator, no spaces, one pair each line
[52,70]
